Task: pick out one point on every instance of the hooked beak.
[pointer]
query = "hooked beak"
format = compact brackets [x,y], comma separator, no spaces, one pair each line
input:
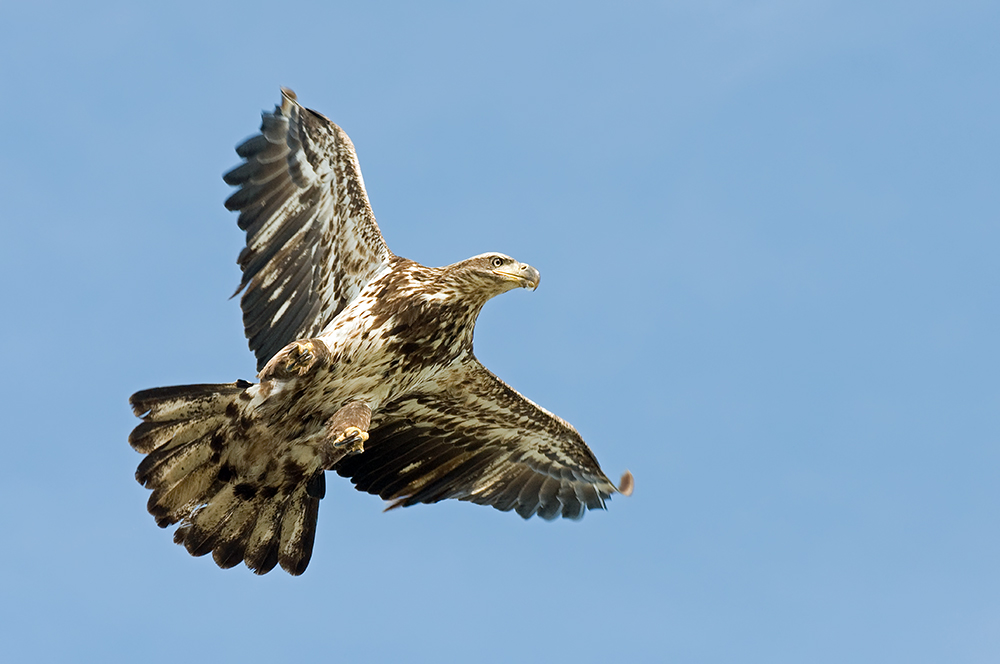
[530,277]
[526,276]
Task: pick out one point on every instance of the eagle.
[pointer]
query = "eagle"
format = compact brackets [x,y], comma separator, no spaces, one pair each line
[365,367]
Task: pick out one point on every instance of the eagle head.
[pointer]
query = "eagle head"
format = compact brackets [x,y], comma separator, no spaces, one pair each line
[495,273]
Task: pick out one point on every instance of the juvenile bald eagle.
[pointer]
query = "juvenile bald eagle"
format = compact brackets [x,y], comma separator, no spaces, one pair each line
[366,368]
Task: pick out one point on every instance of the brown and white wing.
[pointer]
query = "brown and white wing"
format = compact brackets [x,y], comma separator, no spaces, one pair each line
[479,440]
[311,238]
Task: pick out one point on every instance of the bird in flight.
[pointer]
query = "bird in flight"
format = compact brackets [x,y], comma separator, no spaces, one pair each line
[365,367]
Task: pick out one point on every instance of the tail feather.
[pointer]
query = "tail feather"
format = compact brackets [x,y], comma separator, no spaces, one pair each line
[156,436]
[172,504]
[221,527]
[298,531]
[262,544]
[231,542]
[189,435]
[199,533]
[184,402]
[163,469]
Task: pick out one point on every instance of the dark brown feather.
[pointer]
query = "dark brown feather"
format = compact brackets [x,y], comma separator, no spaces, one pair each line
[313,208]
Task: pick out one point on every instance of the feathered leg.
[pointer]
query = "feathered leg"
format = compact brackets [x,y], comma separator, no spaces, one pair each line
[346,433]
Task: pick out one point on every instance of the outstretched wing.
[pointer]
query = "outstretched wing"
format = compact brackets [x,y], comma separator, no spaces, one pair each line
[312,240]
[479,440]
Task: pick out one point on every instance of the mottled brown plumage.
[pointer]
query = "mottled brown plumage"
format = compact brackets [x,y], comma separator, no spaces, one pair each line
[366,368]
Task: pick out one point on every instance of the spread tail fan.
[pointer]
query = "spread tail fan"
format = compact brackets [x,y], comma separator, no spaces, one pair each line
[188,434]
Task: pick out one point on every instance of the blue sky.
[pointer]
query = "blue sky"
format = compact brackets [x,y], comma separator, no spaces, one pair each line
[767,234]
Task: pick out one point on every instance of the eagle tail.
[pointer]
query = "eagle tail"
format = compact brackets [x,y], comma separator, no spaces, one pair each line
[185,435]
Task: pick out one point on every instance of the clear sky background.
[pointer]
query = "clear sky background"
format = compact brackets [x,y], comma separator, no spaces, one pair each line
[768,238]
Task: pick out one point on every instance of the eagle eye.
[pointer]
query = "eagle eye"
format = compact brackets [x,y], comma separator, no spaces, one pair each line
[497,261]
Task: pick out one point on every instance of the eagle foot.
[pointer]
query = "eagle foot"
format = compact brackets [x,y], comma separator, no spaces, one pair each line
[301,357]
[351,440]
[346,433]
[296,359]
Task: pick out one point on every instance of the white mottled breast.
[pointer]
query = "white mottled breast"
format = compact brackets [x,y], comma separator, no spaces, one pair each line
[358,348]
[396,338]
[369,365]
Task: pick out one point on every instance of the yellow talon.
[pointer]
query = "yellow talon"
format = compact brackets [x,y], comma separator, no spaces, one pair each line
[357,439]
[351,432]
[300,357]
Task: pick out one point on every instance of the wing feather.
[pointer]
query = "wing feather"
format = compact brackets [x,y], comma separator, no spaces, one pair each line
[312,242]
[528,497]
[478,440]
[443,484]
[508,492]
[412,452]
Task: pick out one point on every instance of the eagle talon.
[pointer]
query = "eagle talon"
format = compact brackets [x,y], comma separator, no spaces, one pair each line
[296,359]
[301,358]
[353,445]
[351,439]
